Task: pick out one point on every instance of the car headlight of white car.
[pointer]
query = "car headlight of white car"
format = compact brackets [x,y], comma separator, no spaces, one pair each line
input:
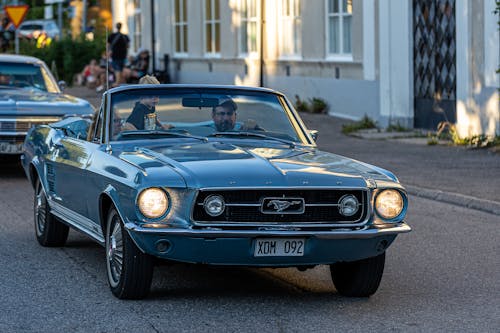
[153,202]
[389,204]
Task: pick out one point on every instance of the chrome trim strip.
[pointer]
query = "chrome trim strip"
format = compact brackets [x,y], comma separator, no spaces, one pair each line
[364,232]
[278,224]
[19,134]
[77,221]
[18,118]
[326,187]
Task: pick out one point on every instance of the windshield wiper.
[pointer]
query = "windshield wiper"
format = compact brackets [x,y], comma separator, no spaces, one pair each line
[161,133]
[256,135]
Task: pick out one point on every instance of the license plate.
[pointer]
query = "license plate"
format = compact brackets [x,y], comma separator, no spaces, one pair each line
[279,247]
[11,148]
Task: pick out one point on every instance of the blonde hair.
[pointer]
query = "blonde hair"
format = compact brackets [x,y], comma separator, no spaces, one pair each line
[148,79]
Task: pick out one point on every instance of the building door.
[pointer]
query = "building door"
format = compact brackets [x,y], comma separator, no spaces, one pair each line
[434,61]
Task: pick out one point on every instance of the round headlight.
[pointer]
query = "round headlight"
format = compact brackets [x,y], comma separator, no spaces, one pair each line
[214,205]
[348,205]
[389,204]
[153,203]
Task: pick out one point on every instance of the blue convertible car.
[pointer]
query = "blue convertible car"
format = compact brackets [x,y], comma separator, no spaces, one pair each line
[219,175]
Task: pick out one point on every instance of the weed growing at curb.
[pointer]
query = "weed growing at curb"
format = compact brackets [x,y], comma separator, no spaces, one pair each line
[448,131]
[365,123]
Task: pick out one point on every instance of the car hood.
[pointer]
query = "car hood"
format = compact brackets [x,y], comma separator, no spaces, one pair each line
[217,164]
[26,102]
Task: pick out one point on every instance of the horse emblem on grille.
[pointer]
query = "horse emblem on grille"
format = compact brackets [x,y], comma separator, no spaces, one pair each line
[282,206]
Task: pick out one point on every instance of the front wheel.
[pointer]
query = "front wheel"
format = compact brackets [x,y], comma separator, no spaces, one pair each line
[359,278]
[129,270]
[48,230]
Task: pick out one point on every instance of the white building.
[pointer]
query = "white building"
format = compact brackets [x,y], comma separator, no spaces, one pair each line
[408,62]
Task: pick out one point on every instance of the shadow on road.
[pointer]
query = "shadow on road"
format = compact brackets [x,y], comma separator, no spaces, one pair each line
[10,167]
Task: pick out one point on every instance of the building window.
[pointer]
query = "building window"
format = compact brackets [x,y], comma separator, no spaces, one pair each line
[339,27]
[180,24]
[290,28]
[249,16]
[212,27]
[137,26]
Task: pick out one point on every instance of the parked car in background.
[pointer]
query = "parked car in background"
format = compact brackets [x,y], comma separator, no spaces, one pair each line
[220,175]
[33,28]
[29,95]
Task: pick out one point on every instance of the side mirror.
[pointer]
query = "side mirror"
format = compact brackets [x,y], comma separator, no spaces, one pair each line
[314,134]
[62,85]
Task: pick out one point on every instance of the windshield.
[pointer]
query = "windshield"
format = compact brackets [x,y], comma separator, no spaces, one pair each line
[223,113]
[26,76]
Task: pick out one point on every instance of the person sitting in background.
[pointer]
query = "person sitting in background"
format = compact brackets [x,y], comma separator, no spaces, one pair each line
[91,75]
[139,66]
[105,65]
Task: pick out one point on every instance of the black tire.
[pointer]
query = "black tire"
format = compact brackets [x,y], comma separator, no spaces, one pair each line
[359,278]
[129,270]
[49,230]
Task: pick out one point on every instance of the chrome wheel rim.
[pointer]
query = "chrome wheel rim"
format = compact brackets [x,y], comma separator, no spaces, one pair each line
[40,212]
[114,252]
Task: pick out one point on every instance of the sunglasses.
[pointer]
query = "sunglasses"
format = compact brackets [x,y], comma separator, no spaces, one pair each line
[221,114]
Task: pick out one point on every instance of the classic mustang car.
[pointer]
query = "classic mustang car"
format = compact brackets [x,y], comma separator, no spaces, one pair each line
[29,95]
[220,175]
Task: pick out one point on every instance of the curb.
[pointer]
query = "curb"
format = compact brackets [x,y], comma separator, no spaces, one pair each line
[461,200]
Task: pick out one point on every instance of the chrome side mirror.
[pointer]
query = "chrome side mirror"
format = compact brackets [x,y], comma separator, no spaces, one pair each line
[314,134]
[62,85]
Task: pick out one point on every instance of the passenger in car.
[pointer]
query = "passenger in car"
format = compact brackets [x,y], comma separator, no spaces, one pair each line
[144,115]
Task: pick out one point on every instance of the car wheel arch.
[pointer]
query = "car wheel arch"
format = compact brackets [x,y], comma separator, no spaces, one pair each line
[107,199]
[105,204]
[34,175]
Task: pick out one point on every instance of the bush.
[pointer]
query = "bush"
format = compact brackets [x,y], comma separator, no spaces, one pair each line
[318,105]
[301,105]
[69,56]
[314,105]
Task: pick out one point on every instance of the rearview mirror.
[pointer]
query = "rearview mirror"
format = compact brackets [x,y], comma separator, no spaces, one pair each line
[199,102]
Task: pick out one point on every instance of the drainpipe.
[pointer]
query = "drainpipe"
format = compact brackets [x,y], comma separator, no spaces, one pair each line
[261,51]
[153,36]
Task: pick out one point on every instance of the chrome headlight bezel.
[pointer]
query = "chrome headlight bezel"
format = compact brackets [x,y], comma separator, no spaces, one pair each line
[214,198]
[398,203]
[346,202]
[153,203]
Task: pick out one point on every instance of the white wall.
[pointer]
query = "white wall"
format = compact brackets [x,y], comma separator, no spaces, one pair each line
[396,59]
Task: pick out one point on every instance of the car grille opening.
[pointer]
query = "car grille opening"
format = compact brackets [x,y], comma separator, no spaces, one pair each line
[251,207]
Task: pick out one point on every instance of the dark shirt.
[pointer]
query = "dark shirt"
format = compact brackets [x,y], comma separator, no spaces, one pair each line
[136,118]
[119,45]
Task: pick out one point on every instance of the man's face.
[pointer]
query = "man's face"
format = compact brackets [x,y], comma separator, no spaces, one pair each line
[224,118]
[150,101]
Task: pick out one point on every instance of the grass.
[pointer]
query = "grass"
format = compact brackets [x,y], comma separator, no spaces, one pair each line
[448,132]
[365,123]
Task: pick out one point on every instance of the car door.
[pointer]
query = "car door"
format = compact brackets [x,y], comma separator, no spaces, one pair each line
[69,158]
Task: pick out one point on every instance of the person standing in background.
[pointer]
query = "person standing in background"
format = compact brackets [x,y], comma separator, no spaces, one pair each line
[118,43]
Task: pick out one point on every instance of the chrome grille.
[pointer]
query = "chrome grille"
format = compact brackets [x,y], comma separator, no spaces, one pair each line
[24,124]
[244,206]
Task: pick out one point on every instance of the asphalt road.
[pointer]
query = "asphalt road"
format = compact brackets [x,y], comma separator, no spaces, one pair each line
[443,276]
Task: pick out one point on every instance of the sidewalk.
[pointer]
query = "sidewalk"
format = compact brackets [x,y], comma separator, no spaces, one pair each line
[461,176]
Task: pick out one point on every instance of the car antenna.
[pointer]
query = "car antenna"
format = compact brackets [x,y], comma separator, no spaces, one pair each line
[107,60]
[108,145]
